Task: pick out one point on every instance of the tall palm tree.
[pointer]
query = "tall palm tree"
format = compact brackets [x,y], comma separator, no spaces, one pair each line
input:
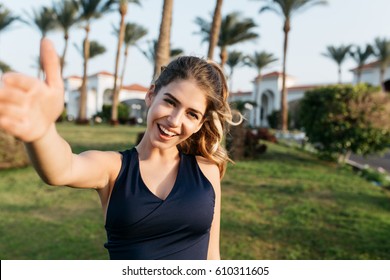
[150,52]
[338,55]
[215,29]
[259,61]
[360,56]
[286,9]
[95,49]
[234,30]
[122,6]
[162,54]
[133,33]
[89,10]
[6,19]
[382,53]
[66,15]
[4,67]
[235,59]
[43,19]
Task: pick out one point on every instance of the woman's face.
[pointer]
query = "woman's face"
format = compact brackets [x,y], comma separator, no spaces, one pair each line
[175,113]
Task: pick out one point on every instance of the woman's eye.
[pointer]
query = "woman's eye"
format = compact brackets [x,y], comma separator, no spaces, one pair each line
[193,115]
[169,101]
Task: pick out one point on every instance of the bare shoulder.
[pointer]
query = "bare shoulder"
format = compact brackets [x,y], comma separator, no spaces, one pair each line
[101,167]
[111,160]
[210,170]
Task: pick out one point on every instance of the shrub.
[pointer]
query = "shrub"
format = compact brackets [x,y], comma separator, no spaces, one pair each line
[123,113]
[342,119]
[12,152]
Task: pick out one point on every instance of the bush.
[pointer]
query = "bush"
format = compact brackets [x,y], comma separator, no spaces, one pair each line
[274,120]
[123,113]
[344,118]
[12,152]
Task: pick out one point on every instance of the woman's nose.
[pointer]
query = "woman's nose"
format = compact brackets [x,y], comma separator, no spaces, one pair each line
[175,118]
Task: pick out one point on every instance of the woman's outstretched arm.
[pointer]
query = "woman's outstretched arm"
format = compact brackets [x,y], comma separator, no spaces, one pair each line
[29,108]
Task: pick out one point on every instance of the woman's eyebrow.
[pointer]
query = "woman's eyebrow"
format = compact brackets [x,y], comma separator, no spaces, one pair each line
[177,101]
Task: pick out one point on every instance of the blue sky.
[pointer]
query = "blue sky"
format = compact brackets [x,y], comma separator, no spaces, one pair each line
[340,22]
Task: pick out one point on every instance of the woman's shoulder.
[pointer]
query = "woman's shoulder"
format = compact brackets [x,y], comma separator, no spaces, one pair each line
[210,170]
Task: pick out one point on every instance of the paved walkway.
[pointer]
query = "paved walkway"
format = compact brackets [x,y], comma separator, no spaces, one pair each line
[374,161]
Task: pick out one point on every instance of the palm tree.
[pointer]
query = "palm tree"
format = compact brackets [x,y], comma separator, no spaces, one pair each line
[286,9]
[6,19]
[90,9]
[234,29]
[66,15]
[95,49]
[150,52]
[133,33]
[337,54]
[43,19]
[382,52]
[215,29]
[162,54]
[235,58]
[259,61]
[4,67]
[361,56]
[122,6]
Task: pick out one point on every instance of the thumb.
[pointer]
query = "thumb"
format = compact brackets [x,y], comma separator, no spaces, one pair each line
[51,64]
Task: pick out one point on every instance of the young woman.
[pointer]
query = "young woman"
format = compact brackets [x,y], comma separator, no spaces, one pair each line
[162,198]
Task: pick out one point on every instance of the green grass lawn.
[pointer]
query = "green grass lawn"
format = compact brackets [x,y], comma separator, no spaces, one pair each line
[284,205]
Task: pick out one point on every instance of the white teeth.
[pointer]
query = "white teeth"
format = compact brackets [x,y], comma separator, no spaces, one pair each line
[167,132]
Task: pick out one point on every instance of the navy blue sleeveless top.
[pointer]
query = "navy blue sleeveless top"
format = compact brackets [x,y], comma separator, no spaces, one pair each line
[142,226]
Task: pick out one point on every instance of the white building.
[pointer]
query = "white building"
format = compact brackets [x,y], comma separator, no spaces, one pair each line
[267,92]
[99,93]
[370,73]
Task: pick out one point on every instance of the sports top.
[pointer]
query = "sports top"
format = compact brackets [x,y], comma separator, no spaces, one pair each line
[140,225]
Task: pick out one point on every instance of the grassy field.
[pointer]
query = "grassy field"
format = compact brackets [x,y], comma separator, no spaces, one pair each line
[284,205]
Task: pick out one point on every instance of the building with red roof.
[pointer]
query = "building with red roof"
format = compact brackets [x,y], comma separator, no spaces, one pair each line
[99,93]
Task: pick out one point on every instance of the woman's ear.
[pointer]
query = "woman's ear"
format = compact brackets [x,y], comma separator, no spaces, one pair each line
[149,96]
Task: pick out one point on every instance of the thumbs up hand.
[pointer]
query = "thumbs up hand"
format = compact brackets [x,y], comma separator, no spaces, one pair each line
[29,106]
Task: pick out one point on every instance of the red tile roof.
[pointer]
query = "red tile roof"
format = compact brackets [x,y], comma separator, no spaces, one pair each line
[366,66]
[303,87]
[103,73]
[74,77]
[272,75]
[240,93]
[135,87]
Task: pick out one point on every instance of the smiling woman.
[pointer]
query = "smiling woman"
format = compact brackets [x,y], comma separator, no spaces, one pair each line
[162,198]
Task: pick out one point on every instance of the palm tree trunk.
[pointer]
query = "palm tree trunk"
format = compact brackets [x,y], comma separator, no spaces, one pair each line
[284,105]
[115,91]
[82,118]
[215,29]
[339,72]
[231,80]
[40,69]
[66,37]
[359,75]
[258,109]
[163,43]
[223,56]
[124,66]
[382,76]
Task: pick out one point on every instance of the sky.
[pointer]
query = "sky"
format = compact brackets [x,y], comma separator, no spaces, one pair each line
[340,22]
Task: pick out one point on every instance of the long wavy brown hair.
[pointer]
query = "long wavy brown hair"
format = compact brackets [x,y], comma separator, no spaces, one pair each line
[210,78]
